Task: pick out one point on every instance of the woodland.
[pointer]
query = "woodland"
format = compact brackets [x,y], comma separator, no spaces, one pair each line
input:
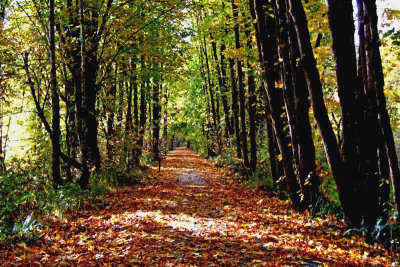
[199,132]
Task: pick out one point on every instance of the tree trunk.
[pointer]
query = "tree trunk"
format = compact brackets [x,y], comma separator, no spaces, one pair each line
[70,125]
[128,149]
[143,105]
[251,85]
[242,99]
[74,94]
[221,84]
[213,99]
[210,150]
[303,131]
[287,78]
[2,157]
[131,92]
[165,131]
[235,108]
[225,92]
[156,113]
[134,86]
[271,143]
[55,101]
[110,108]
[265,28]
[342,176]
[374,82]
[89,67]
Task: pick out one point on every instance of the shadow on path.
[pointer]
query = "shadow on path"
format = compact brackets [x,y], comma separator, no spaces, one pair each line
[193,215]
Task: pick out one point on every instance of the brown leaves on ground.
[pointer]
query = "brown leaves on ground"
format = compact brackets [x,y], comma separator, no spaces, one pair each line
[192,215]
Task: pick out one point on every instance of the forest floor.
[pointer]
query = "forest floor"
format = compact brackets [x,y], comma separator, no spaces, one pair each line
[192,213]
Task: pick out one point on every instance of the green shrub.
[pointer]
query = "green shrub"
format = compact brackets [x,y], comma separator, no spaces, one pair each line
[27,197]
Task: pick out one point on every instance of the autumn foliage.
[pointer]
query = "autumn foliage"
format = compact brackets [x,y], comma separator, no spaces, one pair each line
[192,213]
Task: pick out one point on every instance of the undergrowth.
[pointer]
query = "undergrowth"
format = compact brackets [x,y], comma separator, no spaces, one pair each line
[28,198]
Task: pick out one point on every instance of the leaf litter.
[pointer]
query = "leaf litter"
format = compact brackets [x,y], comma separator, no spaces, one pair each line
[192,213]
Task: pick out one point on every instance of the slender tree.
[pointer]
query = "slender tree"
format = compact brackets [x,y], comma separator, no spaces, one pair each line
[55,101]
[266,33]
[242,99]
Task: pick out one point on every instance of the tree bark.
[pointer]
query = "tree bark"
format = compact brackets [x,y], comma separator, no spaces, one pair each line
[143,105]
[221,81]
[165,131]
[110,109]
[374,83]
[225,92]
[156,113]
[211,92]
[92,28]
[55,101]
[251,86]
[271,143]
[340,174]
[242,99]
[235,108]
[303,130]
[266,33]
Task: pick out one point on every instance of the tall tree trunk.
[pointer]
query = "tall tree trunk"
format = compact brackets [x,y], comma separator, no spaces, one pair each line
[73,85]
[374,82]
[55,101]
[225,93]
[242,98]
[287,79]
[128,119]
[165,131]
[221,84]
[92,28]
[384,183]
[111,108]
[89,67]
[156,113]
[303,131]
[357,155]
[213,99]
[271,143]
[136,122]
[121,97]
[251,85]
[210,150]
[235,108]
[134,86]
[142,121]
[340,174]
[70,135]
[266,32]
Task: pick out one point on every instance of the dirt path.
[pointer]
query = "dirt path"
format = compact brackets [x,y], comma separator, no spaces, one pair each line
[192,215]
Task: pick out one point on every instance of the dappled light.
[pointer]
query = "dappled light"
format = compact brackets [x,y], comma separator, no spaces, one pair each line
[199,133]
[171,222]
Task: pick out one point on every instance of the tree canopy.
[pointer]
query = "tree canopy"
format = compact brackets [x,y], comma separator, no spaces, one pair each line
[297,98]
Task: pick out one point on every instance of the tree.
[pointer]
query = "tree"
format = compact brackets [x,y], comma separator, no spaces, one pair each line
[55,101]
[242,100]
[266,33]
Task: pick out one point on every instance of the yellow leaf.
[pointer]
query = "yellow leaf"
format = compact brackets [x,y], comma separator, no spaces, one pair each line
[21,245]
[279,84]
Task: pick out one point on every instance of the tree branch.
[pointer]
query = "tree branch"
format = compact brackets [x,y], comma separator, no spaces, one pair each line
[41,115]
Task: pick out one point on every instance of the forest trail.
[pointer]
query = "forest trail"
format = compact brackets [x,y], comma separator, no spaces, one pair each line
[191,215]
